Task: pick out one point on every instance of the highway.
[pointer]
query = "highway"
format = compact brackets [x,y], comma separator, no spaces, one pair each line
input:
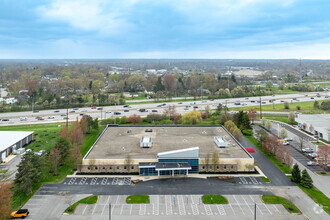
[14,118]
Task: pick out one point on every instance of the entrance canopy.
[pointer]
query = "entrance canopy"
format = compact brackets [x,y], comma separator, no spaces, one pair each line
[172,166]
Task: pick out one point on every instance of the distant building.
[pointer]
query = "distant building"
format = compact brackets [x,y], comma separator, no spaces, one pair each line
[10,100]
[318,124]
[13,140]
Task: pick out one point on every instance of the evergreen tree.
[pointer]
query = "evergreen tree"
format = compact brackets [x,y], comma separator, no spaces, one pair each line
[64,145]
[28,172]
[159,85]
[296,176]
[306,181]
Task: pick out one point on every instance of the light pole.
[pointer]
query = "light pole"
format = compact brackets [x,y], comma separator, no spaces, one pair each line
[201,94]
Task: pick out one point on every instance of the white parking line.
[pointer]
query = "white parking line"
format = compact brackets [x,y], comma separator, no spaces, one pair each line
[104,208]
[130,212]
[257,205]
[117,199]
[232,209]
[247,205]
[94,209]
[84,210]
[238,204]
[276,209]
[221,210]
[121,210]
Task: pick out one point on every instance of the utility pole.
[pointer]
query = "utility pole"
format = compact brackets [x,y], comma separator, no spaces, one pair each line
[201,94]
[255,211]
[260,103]
[109,211]
[67,116]
[300,73]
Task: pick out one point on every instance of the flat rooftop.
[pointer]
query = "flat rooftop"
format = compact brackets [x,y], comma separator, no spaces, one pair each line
[317,120]
[9,138]
[117,142]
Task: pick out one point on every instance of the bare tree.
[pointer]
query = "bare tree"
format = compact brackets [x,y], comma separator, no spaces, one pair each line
[128,162]
[301,142]
[215,159]
[207,161]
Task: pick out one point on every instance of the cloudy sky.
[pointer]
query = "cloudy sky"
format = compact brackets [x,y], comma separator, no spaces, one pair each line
[165,29]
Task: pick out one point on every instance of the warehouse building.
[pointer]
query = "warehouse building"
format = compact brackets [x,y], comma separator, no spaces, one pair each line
[317,124]
[13,140]
[166,150]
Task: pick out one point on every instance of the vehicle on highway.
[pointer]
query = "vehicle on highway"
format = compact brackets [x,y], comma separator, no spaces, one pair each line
[22,213]
[38,117]
[57,111]
[142,110]
[35,111]
[94,107]
[51,117]
[253,101]
[185,108]
[154,110]
[263,102]
[306,95]
[41,119]
[126,110]
[180,103]
[117,113]
[72,111]
[204,101]
[307,150]
[247,98]
[312,97]
[244,104]
[108,112]
[23,119]
[326,96]
[294,98]
[41,153]
[159,106]
[237,103]
[282,100]
[99,108]
[63,115]
[195,106]
[75,108]
[125,106]
[81,114]
[163,104]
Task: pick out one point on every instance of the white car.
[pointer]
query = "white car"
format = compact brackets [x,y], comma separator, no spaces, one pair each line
[285,143]
[313,155]
[51,117]
[23,119]
[310,163]
[307,150]
[289,139]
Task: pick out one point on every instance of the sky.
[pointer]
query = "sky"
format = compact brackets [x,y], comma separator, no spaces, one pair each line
[206,29]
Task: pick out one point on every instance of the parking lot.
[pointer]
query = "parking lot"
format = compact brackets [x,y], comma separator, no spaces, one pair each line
[98,181]
[249,180]
[180,205]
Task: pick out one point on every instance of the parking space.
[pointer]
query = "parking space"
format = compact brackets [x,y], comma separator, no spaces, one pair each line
[250,180]
[97,181]
[181,205]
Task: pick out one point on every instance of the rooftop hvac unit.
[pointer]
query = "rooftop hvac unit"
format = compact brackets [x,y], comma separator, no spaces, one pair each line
[220,141]
[146,141]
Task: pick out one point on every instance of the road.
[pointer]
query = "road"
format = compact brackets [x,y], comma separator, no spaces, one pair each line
[108,111]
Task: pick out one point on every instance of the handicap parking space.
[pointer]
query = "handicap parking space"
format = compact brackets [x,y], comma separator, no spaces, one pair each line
[97,181]
[249,180]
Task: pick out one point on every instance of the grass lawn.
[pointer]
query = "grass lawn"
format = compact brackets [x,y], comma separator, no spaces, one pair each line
[137,199]
[45,139]
[265,179]
[214,199]
[271,199]
[271,157]
[87,200]
[283,119]
[323,174]
[318,197]
[306,107]
[317,143]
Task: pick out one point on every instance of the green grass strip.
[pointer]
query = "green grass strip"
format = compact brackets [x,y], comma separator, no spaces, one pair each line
[214,199]
[87,200]
[138,199]
[318,197]
[289,206]
[265,179]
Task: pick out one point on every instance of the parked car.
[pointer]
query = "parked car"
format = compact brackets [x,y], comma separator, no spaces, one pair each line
[51,117]
[310,163]
[22,213]
[289,139]
[23,119]
[313,155]
[41,153]
[285,143]
[307,150]
[28,150]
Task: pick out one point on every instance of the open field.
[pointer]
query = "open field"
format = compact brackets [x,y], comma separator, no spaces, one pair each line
[306,108]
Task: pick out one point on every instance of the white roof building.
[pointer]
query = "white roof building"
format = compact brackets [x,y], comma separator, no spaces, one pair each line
[317,124]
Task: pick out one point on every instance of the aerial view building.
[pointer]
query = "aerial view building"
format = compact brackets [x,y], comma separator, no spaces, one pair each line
[166,150]
[317,124]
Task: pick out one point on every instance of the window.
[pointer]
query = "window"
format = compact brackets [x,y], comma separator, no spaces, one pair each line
[224,167]
[110,167]
[103,168]
[125,167]
[210,167]
[96,168]
[231,167]
[117,167]
[132,167]
[89,168]
[203,167]
[217,167]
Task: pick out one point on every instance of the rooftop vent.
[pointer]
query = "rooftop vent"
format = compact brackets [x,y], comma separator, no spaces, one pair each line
[146,141]
[220,141]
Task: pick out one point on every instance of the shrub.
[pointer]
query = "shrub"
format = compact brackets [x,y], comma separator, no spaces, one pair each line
[154,117]
[296,176]
[248,132]
[306,181]
[123,120]
[298,107]
[286,105]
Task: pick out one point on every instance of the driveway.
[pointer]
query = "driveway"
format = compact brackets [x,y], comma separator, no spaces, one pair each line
[275,175]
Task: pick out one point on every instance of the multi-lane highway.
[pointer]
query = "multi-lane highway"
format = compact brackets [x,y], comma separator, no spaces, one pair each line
[15,118]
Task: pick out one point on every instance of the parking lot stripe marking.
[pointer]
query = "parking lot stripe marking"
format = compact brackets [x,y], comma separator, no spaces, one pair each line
[232,209]
[106,205]
[117,199]
[108,200]
[268,209]
[130,212]
[221,210]
[276,209]
[247,204]
[93,209]
[238,204]
[84,210]
[121,210]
